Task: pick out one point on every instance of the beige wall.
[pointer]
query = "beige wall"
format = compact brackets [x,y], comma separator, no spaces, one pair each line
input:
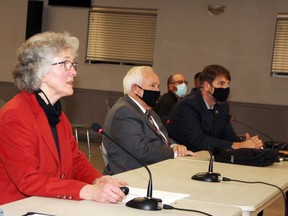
[12,33]
[87,106]
[188,38]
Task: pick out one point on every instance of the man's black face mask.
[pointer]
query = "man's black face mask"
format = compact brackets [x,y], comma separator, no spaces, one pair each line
[150,97]
[221,94]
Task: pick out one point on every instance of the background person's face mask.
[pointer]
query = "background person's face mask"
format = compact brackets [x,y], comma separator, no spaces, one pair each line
[181,90]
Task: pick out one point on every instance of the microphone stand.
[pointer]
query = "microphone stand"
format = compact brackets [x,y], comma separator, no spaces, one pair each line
[209,176]
[144,203]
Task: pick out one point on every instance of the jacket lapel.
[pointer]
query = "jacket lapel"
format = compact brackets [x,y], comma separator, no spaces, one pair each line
[43,125]
[143,116]
[207,120]
[136,107]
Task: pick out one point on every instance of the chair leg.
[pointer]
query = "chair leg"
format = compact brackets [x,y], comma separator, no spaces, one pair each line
[104,154]
[88,144]
[286,203]
[76,134]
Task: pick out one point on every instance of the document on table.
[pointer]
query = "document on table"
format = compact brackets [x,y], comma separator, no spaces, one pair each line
[37,214]
[167,197]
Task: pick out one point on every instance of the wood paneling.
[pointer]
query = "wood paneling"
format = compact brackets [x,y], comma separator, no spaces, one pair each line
[88,106]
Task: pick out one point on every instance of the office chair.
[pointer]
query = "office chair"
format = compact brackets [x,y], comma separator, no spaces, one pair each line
[110,101]
[2,102]
[77,127]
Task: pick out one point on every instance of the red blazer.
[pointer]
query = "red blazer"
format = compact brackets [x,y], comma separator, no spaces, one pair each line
[29,161]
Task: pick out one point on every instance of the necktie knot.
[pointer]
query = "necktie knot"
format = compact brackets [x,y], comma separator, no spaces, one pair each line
[150,118]
[147,113]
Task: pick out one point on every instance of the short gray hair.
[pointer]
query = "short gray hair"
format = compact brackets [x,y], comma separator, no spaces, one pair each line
[134,76]
[34,57]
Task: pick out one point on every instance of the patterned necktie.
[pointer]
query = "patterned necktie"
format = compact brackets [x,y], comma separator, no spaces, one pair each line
[156,128]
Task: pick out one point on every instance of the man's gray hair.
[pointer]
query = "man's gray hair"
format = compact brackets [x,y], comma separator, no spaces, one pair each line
[134,76]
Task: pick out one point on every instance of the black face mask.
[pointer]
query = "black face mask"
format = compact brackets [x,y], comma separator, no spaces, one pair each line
[150,97]
[221,94]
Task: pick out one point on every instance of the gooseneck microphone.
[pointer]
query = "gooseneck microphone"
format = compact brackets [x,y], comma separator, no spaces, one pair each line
[254,129]
[209,176]
[144,203]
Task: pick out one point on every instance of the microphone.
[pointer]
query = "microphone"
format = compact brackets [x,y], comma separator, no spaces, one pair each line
[143,203]
[273,144]
[209,176]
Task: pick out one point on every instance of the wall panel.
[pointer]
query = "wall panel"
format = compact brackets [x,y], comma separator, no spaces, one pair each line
[88,106]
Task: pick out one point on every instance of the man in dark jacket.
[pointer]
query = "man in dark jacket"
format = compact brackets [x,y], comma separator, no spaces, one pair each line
[201,120]
[177,88]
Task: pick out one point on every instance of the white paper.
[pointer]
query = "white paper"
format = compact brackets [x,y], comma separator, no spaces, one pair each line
[37,214]
[167,197]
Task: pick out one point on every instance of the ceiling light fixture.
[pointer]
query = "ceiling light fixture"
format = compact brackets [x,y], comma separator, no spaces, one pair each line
[215,9]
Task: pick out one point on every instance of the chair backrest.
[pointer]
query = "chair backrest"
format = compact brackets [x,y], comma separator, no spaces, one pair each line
[2,102]
[110,101]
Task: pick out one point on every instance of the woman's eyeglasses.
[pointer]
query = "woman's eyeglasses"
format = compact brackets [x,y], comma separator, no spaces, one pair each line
[67,64]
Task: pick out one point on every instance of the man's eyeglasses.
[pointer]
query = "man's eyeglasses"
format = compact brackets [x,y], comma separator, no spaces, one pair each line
[180,82]
[67,64]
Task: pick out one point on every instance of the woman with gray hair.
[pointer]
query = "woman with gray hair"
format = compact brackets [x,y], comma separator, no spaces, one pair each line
[38,154]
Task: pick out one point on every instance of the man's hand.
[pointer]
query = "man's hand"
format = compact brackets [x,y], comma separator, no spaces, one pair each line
[250,142]
[182,150]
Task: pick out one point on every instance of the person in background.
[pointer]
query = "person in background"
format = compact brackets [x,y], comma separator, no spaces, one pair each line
[177,88]
[134,125]
[38,154]
[196,82]
[201,120]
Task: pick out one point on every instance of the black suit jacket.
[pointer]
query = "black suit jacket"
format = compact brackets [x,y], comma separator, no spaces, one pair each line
[127,124]
[193,125]
[165,104]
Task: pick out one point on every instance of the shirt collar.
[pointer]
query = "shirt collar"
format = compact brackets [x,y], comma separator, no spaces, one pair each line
[208,107]
[138,104]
